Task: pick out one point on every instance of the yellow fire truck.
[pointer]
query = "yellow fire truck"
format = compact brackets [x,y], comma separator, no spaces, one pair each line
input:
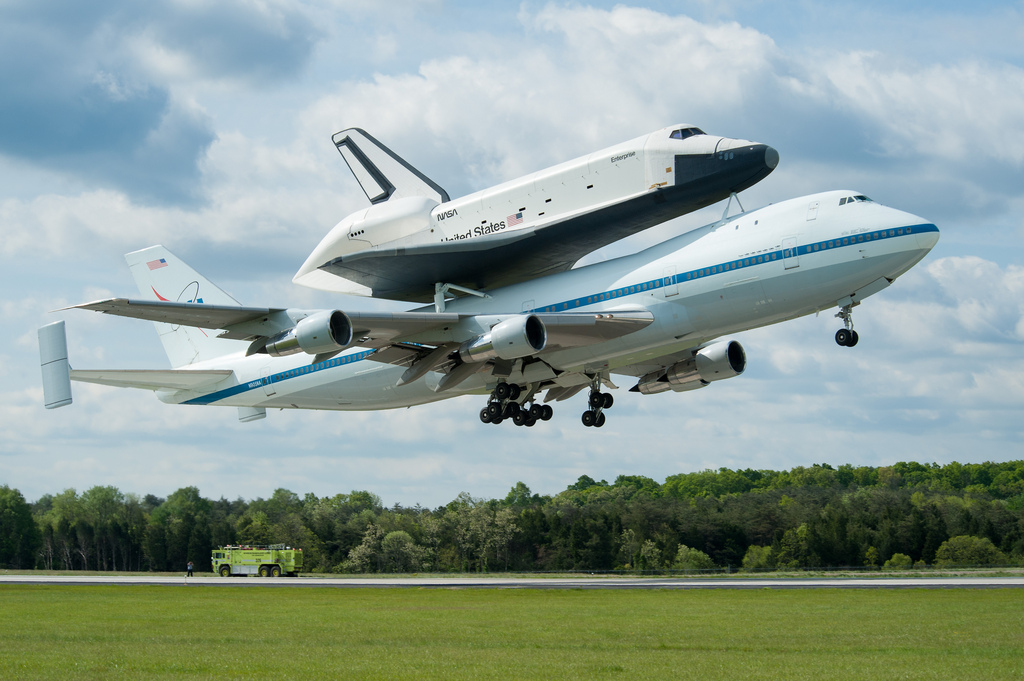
[266,561]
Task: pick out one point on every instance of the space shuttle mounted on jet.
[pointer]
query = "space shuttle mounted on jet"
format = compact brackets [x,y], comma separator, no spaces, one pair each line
[413,239]
[660,317]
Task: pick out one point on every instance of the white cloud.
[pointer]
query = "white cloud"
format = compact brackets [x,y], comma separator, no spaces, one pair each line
[939,363]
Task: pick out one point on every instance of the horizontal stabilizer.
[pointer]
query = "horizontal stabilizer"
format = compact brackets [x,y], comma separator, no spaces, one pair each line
[382,174]
[156,379]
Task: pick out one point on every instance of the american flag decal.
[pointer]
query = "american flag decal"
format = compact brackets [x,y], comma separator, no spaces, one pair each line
[157,264]
[513,220]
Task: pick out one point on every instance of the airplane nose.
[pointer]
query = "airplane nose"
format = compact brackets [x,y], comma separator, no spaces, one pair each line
[771,157]
[926,240]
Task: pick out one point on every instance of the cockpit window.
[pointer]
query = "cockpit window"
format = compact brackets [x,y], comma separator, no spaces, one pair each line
[850,199]
[685,132]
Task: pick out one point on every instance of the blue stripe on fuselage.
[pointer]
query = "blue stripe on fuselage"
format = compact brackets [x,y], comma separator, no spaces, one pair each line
[775,255]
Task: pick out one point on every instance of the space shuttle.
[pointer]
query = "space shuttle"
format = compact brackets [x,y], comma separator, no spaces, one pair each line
[415,243]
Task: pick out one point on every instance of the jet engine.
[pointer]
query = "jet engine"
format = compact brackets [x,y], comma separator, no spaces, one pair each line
[322,332]
[722,359]
[513,338]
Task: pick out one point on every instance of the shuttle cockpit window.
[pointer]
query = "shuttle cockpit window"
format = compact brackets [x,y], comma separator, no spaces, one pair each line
[850,199]
[685,132]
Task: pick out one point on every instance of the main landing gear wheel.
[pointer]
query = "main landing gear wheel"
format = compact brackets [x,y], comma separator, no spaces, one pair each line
[847,338]
[598,402]
[504,405]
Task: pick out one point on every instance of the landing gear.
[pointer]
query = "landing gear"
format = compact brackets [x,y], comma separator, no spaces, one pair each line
[598,401]
[846,337]
[504,404]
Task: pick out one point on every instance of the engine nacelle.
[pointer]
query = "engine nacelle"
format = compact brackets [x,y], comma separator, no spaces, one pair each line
[319,333]
[511,339]
[714,362]
[723,359]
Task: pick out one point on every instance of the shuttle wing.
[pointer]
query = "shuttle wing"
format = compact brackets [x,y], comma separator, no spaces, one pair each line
[490,262]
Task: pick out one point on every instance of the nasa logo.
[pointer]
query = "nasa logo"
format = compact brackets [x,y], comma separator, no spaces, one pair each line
[445,214]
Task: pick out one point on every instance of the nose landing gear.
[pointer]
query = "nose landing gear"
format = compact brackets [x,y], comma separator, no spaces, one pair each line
[846,337]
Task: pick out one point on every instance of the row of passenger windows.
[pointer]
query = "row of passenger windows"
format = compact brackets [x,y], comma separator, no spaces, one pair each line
[737,264]
[846,241]
[347,359]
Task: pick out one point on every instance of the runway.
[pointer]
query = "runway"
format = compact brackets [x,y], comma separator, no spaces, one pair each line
[530,582]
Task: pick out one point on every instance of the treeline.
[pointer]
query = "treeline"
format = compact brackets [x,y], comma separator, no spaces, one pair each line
[807,517]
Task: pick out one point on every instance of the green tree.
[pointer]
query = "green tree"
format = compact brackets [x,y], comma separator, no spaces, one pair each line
[20,538]
[968,550]
[899,561]
[692,559]
[399,553]
[759,558]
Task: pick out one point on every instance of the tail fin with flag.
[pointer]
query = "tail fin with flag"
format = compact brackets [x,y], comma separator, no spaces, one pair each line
[161,275]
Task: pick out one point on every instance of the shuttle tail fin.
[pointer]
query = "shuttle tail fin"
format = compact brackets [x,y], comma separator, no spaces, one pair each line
[160,275]
[381,173]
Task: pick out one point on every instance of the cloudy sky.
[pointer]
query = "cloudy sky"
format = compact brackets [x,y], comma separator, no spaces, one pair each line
[206,126]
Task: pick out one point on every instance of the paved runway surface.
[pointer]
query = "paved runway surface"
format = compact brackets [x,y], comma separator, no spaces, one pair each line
[523,582]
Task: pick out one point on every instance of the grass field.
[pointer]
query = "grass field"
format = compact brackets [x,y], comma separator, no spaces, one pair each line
[157,632]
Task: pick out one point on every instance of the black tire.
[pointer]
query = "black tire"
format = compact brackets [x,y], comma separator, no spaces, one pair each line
[511,409]
[497,421]
[275,571]
[608,400]
[485,415]
[515,392]
[589,418]
[854,338]
[225,571]
[843,337]
[600,421]
[530,422]
[596,399]
[546,412]
[502,391]
[264,571]
[494,409]
[535,411]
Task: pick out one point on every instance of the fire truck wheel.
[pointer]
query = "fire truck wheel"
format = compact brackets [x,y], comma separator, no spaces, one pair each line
[275,571]
[264,571]
[225,571]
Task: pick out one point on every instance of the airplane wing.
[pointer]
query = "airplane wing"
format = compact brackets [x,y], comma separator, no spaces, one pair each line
[413,333]
[160,379]
[186,314]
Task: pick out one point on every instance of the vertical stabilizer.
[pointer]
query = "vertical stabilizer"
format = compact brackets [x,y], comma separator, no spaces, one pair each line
[383,174]
[161,275]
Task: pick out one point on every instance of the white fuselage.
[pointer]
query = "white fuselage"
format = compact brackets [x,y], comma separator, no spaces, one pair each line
[757,268]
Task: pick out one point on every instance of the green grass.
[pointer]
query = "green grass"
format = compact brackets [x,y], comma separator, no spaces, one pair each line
[128,632]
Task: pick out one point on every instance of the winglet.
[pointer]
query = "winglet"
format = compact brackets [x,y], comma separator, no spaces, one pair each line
[53,358]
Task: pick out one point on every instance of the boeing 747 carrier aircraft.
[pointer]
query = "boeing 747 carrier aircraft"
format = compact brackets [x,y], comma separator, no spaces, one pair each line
[658,321]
